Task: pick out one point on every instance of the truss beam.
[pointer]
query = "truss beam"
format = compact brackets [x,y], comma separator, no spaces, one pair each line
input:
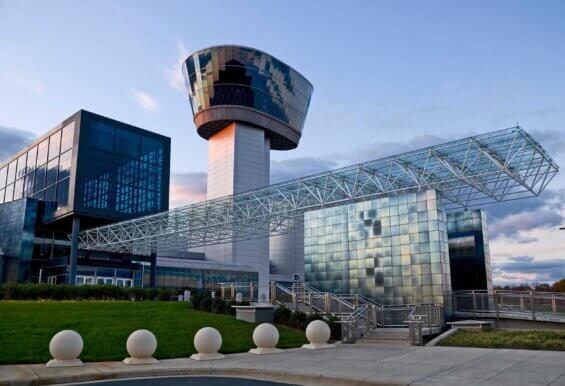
[498,166]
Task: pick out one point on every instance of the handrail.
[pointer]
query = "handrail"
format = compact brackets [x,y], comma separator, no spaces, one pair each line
[525,305]
[357,311]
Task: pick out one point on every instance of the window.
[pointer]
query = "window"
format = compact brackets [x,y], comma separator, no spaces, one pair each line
[65,165]
[67,137]
[54,145]
[28,185]
[101,136]
[50,194]
[12,172]
[3,173]
[31,159]
[9,193]
[52,169]
[40,178]
[18,189]
[42,152]
[128,143]
[21,170]
[63,194]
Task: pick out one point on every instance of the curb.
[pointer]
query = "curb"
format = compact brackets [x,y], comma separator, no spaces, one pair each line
[441,337]
[256,374]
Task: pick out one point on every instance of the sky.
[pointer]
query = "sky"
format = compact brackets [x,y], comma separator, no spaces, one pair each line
[388,77]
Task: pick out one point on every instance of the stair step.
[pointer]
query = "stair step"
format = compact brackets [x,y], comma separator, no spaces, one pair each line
[388,334]
[386,342]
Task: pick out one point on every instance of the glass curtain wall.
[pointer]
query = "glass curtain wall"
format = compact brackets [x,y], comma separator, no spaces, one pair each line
[469,253]
[122,171]
[393,249]
[43,172]
[243,76]
[199,279]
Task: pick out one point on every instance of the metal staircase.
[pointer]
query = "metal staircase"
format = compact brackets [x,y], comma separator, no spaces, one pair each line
[358,315]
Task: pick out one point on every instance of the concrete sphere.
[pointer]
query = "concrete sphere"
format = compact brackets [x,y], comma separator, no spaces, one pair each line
[318,332]
[141,344]
[207,340]
[266,335]
[66,345]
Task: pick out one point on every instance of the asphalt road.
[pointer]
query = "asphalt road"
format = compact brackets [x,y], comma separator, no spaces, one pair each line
[183,381]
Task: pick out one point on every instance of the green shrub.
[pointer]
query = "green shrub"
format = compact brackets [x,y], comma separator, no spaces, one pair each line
[311,317]
[282,315]
[219,306]
[16,291]
[335,328]
[297,320]
[531,339]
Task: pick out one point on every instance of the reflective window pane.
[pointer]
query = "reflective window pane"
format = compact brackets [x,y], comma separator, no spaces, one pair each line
[12,171]
[50,194]
[42,150]
[21,169]
[31,158]
[62,194]
[52,169]
[40,178]
[9,193]
[65,165]
[3,174]
[54,145]
[18,189]
[67,137]
[28,184]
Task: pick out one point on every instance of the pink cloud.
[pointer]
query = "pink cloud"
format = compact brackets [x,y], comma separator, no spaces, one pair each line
[187,188]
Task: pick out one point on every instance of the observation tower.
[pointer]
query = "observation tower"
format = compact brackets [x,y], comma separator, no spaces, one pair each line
[245,102]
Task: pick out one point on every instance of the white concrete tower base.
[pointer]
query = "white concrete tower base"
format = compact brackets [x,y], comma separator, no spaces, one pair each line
[238,161]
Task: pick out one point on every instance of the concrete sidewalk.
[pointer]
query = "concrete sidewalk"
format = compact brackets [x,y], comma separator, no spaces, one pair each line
[345,365]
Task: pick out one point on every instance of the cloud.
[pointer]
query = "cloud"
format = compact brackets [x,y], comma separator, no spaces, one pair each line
[146,101]
[174,72]
[13,140]
[552,140]
[299,167]
[27,81]
[527,268]
[378,150]
[187,188]
[515,217]
[547,111]
[522,259]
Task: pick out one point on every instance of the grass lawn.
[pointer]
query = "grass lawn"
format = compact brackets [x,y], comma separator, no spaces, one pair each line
[26,327]
[534,340]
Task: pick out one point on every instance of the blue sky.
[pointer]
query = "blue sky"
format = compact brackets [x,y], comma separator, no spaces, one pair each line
[388,77]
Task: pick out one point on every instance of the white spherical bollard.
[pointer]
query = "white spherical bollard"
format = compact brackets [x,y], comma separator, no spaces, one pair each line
[318,333]
[265,337]
[65,348]
[207,342]
[141,345]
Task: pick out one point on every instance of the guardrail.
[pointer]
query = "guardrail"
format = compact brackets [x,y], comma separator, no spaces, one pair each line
[524,305]
[356,312]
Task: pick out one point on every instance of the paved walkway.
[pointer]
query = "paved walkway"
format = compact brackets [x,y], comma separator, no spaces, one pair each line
[357,364]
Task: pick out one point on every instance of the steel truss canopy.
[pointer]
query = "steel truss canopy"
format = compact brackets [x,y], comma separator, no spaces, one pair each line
[484,169]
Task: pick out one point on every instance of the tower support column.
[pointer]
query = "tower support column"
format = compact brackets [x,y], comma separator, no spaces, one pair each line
[153,270]
[238,161]
[73,260]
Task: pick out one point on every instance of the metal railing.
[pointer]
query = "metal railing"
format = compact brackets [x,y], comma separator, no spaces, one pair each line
[525,305]
[248,291]
[356,313]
